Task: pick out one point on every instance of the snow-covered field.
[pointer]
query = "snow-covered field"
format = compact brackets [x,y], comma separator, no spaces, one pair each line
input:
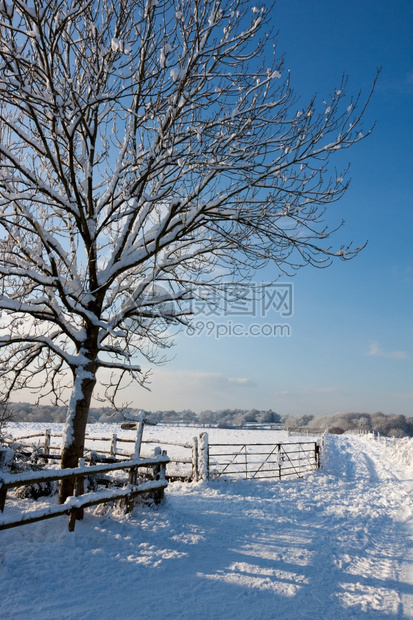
[336,544]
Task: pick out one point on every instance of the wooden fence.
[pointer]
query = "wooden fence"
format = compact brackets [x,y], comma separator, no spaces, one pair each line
[184,466]
[75,505]
[203,460]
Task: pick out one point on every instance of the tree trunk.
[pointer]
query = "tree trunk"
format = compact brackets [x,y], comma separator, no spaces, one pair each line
[74,433]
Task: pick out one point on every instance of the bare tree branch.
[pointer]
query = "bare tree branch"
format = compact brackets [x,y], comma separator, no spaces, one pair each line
[148,150]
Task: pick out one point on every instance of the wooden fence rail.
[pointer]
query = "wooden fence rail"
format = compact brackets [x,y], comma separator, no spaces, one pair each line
[75,505]
[48,450]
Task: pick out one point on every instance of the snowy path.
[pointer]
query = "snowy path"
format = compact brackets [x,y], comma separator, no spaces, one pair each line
[337,545]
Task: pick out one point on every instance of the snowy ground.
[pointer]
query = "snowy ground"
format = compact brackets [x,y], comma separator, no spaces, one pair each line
[337,544]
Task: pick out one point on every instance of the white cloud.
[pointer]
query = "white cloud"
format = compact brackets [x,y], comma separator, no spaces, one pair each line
[376,351]
[325,390]
[212,380]
[407,395]
[196,390]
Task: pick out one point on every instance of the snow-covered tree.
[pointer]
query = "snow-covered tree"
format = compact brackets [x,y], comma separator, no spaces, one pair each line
[148,149]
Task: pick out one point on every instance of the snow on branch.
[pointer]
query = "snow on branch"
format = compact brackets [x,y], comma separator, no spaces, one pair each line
[148,149]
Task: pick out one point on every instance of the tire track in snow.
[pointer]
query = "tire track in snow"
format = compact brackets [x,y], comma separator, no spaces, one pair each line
[373,489]
[328,546]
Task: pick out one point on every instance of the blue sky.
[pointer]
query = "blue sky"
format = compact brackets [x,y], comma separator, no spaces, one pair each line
[350,347]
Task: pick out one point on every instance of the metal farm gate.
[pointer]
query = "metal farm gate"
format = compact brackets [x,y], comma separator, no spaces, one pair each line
[262,460]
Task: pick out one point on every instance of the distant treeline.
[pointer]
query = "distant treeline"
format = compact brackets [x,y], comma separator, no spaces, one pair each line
[387,425]
[225,418]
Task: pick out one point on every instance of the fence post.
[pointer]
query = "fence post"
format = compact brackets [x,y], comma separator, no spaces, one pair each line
[317,455]
[159,474]
[46,448]
[156,469]
[133,479]
[76,514]
[113,444]
[195,469]
[163,466]
[204,456]
[139,432]
[72,519]
[133,475]
[279,460]
[79,485]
